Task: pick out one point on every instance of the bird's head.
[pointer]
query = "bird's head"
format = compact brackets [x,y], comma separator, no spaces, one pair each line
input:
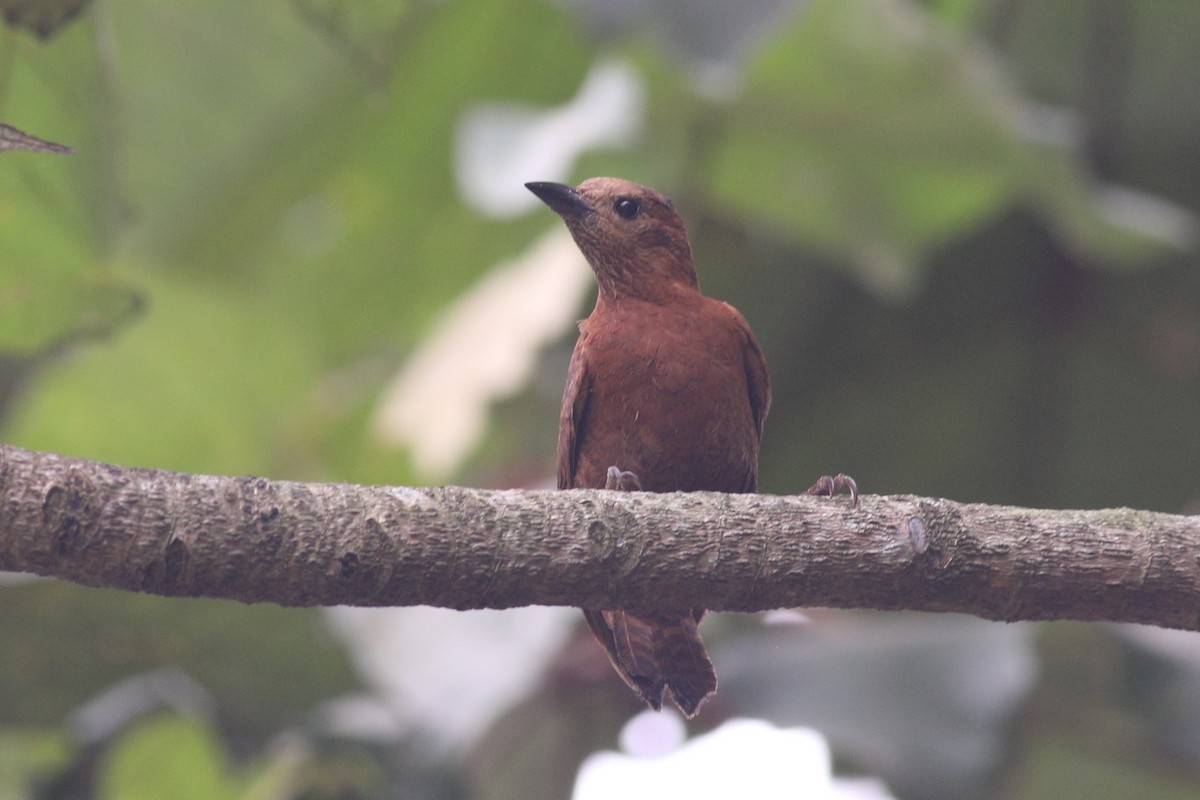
[630,234]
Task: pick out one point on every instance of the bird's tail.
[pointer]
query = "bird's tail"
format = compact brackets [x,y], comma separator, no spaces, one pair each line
[656,655]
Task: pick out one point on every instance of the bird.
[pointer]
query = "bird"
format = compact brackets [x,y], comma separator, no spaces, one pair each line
[667,390]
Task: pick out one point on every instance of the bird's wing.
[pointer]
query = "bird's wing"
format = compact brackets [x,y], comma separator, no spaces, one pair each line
[758,383]
[758,387]
[570,421]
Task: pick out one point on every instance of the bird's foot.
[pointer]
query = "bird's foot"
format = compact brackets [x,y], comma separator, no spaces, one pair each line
[624,480]
[828,486]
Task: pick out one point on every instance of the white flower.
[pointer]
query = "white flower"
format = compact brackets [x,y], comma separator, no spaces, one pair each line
[742,758]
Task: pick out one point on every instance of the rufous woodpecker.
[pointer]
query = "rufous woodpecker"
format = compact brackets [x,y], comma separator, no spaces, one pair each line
[667,391]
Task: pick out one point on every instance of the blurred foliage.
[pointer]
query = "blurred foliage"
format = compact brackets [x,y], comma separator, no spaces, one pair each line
[964,231]
[280,668]
[42,17]
[870,131]
[181,758]
[26,752]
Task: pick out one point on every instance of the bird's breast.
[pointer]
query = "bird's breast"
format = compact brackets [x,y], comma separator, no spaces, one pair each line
[669,401]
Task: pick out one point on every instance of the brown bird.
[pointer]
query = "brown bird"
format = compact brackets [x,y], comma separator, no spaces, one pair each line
[667,391]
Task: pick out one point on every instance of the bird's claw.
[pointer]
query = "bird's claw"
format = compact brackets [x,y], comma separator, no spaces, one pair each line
[622,480]
[828,486]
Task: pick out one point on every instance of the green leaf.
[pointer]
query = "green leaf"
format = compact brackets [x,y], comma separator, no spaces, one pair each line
[167,756]
[180,758]
[870,131]
[293,225]
[55,285]
[27,753]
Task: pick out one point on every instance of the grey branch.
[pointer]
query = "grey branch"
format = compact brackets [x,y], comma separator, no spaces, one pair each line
[13,139]
[300,544]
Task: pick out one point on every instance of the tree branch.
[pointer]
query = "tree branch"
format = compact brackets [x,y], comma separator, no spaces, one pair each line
[299,544]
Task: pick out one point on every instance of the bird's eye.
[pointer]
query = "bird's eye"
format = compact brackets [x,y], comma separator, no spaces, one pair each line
[627,208]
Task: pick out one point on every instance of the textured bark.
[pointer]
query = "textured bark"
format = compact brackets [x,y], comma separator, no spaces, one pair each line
[298,544]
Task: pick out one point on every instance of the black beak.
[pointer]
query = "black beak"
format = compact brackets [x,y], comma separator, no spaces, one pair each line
[562,199]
